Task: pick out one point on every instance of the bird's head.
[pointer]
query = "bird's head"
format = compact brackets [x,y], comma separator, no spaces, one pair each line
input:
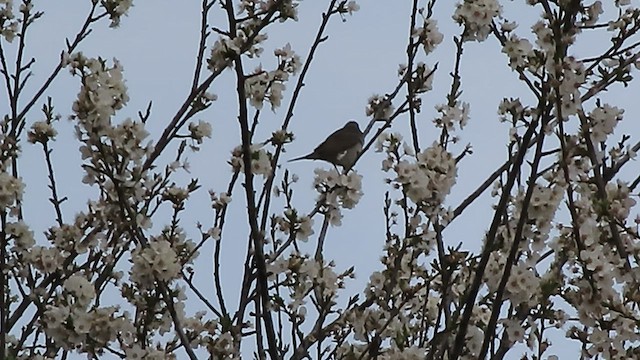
[352,125]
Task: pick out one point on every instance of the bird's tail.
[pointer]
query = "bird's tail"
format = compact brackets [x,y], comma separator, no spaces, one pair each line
[306,157]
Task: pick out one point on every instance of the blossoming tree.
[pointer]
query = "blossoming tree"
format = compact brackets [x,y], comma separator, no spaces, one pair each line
[560,251]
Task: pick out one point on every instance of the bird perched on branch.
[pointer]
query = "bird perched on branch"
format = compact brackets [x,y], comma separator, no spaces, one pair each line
[340,148]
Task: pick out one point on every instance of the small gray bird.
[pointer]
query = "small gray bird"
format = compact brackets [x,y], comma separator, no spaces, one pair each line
[340,148]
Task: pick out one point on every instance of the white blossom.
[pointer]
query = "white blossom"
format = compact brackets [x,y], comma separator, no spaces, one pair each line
[518,50]
[157,260]
[11,189]
[23,236]
[352,7]
[81,289]
[428,35]
[603,120]
[338,190]
[260,160]
[200,130]
[41,131]
[477,16]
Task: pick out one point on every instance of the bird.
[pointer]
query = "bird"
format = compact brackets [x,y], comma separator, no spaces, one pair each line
[340,148]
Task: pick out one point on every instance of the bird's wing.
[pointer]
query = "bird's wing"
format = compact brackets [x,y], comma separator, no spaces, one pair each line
[338,142]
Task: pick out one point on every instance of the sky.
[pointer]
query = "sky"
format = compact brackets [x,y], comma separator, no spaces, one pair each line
[157,44]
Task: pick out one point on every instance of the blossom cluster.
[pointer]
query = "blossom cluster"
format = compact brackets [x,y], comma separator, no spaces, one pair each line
[349,7]
[260,160]
[603,119]
[452,116]
[107,146]
[8,23]
[11,189]
[116,9]
[544,38]
[406,302]
[302,275]
[571,77]
[425,181]
[225,50]
[476,16]
[268,85]
[41,131]
[337,191]
[595,265]
[69,325]
[247,40]
[521,280]
[292,224]
[287,9]
[219,201]
[512,110]
[422,78]
[428,35]
[541,210]
[200,131]
[518,50]
[156,261]
[592,13]
[103,91]
[379,107]
[162,258]
[406,293]
[21,235]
